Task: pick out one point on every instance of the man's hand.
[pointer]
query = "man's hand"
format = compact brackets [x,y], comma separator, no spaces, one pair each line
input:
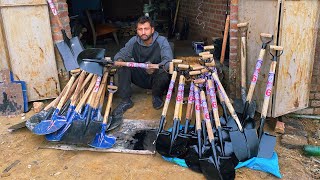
[150,70]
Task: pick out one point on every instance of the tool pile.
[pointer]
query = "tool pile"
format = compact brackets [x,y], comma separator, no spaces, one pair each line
[213,145]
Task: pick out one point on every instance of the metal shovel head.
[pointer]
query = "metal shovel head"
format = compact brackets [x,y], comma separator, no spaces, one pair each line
[76,46]
[239,145]
[223,121]
[49,126]
[250,123]
[266,146]
[91,67]
[69,59]
[226,167]
[37,118]
[57,136]
[102,140]
[180,145]
[114,122]
[231,123]
[163,143]
[252,142]
[209,168]
[239,107]
[192,158]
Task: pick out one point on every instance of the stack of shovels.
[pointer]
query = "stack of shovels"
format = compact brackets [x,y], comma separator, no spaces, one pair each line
[213,145]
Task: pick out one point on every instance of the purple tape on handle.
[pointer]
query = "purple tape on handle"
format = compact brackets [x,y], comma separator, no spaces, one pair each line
[197,100]
[213,97]
[256,71]
[179,98]
[139,65]
[191,94]
[205,111]
[269,85]
[169,93]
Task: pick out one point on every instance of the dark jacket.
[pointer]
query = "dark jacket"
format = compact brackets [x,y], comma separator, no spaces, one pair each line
[158,52]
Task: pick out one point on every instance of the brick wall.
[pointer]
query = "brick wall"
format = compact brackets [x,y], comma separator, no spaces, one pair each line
[206,17]
[62,7]
[314,98]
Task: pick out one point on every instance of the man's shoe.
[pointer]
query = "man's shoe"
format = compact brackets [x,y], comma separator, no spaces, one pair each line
[157,102]
[122,107]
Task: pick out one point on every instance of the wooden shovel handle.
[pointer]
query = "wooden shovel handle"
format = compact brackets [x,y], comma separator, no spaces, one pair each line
[242,25]
[243,62]
[197,67]
[190,101]
[206,116]
[255,75]
[86,94]
[208,47]
[214,103]
[64,97]
[88,78]
[78,88]
[179,97]
[108,107]
[55,12]
[268,91]
[266,35]
[227,101]
[177,61]
[210,64]
[276,48]
[203,53]
[55,102]
[95,91]
[225,37]
[207,56]
[101,89]
[193,73]
[183,66]
[197,107]
[134,64]
[169,93]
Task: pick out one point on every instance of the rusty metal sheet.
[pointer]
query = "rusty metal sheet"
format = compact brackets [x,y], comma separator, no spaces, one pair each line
[16,3]
[30,47]
[298,37]
[262,18]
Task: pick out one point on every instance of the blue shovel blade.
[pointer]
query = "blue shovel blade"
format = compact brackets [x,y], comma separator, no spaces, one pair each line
[57,136]
[103,141]
[48,126]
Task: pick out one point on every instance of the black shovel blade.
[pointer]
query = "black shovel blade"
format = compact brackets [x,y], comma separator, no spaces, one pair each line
[249,123]
[91,67]
[76,46]
[239,145]
[69,60]
[266,145]
[34,120]
[239,107]
[163,143]
[227,170]
[252,142]
[209,169]
[192,159]
[114,122]
[180,146]
[231,123]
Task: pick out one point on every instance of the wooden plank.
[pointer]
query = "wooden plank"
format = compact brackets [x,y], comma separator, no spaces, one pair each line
[298,37]
[4,58]
[30,46]
[22,2]
[262,18]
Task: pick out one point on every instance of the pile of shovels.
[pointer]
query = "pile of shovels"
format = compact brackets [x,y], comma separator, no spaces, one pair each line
[75,115]
[212,144]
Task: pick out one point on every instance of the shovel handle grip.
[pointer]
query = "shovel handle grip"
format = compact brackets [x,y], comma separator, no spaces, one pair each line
[196,67]
[206,116]
[207,56]
[197,107]
[203,53]
[86,94]
[210,64]
[227,101]
[176,61]
[276,48]
[193,73]
[183,66]
[208,47]
[266,35]
[179,97]
[242,25]
[169,93]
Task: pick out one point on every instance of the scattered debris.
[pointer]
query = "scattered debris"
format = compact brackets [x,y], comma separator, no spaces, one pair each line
[38,106]
[279,127]
[293,141]
[11,166]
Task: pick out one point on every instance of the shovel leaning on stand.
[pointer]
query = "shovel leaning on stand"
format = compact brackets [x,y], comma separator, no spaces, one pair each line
[267,142]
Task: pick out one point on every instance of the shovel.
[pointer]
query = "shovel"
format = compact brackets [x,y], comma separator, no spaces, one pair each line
[195,152]
[214,166]
[52,125]
[102,140]
[249,107]
[268,141]
[57,136]
[165,138]
[69,49]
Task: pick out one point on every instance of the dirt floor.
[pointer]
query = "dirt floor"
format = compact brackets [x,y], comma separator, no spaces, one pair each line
[34,163]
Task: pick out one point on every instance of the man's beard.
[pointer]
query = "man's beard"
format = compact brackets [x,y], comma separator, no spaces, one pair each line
[146,37]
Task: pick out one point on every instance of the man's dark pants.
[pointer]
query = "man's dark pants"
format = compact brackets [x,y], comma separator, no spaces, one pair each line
[158,81]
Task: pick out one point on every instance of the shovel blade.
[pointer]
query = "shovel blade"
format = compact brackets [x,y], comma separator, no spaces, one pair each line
[163,143]
[180,146]
[239,107]
[252,141]
[239,145]
[192,159]
[209,169]
[76,46]
[91,67]
[227,170]
[37,118]
[266,145]
[48,126]
[69,60]
[103,141]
